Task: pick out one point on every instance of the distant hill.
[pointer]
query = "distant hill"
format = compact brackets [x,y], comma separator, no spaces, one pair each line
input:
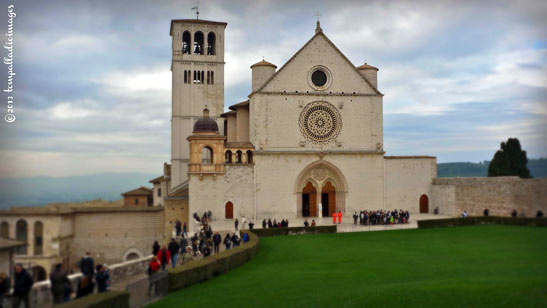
[36,191]
[43,190]
[538,169]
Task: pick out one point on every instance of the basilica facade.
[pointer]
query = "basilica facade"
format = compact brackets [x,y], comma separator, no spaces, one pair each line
[307,142]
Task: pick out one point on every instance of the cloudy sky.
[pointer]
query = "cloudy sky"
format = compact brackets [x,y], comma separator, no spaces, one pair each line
[93,81]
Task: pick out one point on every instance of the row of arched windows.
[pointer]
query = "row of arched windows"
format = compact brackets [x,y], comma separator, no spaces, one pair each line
[207,156]
[198,43]
[199,77]
[21,234]
[239,157]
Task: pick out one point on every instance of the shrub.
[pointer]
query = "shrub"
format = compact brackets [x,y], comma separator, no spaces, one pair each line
[482,220]
[295,230]
[112,299]
[213,265]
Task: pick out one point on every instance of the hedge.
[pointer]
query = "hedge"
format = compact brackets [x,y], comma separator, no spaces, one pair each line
[213,265]
[111,299]
[294,230]
[482,220]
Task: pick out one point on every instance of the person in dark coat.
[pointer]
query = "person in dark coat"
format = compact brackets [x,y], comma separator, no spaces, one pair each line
[251,225]
[355,216]
[102,278]
[207,249]
[87,266]
[4,287]
[178,227]
[21,287]
[216,242]
[227,241]
[174,251]
[59,284]
[155,248]
[264,224]
[269,223]
[236,223]
[235,240]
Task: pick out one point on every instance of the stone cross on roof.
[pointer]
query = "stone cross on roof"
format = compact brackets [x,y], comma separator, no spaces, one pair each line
[318,27]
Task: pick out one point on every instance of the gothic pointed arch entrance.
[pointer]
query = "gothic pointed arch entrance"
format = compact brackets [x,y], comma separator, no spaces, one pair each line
[321,182]
[309,200]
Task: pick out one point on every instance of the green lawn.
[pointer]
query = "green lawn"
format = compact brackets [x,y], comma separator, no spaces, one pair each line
[479,266]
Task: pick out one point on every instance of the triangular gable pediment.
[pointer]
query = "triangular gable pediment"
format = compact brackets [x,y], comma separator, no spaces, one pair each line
[318,51]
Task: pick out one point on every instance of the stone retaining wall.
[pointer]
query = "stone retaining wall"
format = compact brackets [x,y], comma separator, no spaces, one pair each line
[41,294]
[500,195]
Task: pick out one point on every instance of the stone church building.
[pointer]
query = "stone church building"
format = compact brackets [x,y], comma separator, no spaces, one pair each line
[307,142]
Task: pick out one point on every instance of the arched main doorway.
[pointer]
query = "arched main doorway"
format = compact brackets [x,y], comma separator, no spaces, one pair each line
[424,204]
[320,182]
[328,199]
[309,200]
[229,210]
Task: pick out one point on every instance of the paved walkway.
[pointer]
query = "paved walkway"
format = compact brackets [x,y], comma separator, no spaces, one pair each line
[227,225]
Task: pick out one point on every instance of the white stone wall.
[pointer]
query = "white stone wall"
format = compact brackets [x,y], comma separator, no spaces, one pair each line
[275,122]
[406,179]
[109,235]
[277,182]
[213,192]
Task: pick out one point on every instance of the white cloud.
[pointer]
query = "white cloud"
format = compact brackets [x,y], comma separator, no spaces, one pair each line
[138,80]
[70,110]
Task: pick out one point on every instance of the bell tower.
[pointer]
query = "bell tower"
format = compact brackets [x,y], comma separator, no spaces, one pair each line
[197,68]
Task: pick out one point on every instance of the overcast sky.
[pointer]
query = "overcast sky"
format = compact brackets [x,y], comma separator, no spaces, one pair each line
[93,83]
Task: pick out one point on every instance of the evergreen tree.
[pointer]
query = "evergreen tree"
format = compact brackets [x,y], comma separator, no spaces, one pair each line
[509,160]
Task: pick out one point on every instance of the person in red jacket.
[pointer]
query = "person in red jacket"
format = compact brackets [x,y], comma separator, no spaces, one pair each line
[334,217]
[339,217]
[164,256]
[153,268]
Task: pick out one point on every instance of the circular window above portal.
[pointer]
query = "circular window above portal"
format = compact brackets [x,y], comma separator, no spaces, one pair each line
[319,78]
[320,122]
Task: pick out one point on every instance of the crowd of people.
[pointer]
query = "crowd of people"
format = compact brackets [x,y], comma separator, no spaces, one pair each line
[381,217]
[201,245]
[61,286]
[284,223]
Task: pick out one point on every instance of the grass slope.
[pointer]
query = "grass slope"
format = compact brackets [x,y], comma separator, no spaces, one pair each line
[479,266]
